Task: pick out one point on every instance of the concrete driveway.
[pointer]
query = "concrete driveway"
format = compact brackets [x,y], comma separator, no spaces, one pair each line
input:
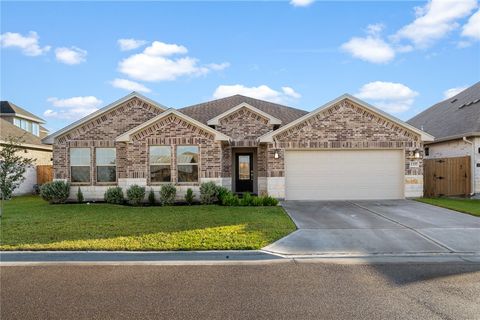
[377,227]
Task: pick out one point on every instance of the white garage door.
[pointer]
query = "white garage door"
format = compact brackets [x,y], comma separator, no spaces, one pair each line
[344,175]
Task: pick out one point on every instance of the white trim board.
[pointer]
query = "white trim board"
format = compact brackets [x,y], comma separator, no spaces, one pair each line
[218,135]
[216,121]
[49,139]
[268,137]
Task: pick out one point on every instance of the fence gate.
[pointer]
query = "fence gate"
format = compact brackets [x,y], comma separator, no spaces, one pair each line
[44,174]
[447,177]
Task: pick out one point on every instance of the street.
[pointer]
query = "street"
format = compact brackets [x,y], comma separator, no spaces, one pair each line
[279,290]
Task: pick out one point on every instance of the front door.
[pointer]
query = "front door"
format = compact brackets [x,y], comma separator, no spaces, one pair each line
[244,172]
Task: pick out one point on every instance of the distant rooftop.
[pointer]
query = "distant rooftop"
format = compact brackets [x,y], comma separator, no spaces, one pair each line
[9,108]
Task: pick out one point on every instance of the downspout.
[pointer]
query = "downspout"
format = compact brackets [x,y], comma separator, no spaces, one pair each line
[472,164]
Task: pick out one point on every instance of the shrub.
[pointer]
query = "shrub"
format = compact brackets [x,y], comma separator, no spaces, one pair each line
[135,195]
[247,199]
[221,193]
[208,192]
[269,201]
[113,195]
[230,199]
[167,194]
[55,192]
[151,197]
[189,196]
[257,201]
[79,195]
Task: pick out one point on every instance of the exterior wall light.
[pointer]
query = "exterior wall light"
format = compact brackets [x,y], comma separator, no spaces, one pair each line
[417,154]
[275,155]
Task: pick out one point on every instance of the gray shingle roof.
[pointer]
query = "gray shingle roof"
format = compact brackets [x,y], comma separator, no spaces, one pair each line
[7,107]
[207,110]
[7,129]
[452,117]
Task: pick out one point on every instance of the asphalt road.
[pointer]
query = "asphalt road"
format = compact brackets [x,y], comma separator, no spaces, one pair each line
[286,290]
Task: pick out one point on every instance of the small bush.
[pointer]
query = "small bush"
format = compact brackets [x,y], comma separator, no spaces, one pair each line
[189,196]
[135,195]
[167,194]
[221,193]
[113,195]
[151,197]
[230,199]
[79,195]
[208,192]
[247,199]
[269,201]
[36,188]
[55,191]
[257,201]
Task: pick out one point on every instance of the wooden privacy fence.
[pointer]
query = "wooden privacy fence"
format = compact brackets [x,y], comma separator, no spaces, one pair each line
[44,174]
[447,177]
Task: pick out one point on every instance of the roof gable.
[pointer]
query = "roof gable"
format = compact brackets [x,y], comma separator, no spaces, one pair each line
[269,136]
[128,135]
[206,111]
[271,119]
[456,116]
[50,138]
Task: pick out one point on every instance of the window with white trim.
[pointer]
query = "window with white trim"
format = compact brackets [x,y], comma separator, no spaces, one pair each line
[160,158]
[105,159]
[187,163]
[80,165]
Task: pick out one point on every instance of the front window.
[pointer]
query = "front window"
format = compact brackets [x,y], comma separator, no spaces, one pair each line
[80,164]
[35,129]
[105,161]
[160,162]
[187,163]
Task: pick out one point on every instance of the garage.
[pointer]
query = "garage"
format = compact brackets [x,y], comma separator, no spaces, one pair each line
[344,174]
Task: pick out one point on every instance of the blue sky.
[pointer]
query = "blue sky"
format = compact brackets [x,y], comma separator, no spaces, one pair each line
[63,60]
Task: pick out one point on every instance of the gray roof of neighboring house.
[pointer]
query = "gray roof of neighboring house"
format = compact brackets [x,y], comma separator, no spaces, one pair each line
[207,110]
[7,107]
[455,116]
[8,129]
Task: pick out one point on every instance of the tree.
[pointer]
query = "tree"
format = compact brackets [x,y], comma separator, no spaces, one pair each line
[12,166]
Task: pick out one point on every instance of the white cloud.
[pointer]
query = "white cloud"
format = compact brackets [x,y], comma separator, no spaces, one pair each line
[263,92]
[434,21]
[130,44]
[389,96]
[453,92]
[472,27]
[28,44]
[371,49]
[129,85]
[72,108]
[154,64]
[71,55]
[301,3]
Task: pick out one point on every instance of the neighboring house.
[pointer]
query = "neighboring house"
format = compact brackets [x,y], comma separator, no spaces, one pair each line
[455,123]
[346,149]
[17,122]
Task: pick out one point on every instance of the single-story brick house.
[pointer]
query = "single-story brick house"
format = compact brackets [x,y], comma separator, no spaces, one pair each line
[345,149]
[455,123]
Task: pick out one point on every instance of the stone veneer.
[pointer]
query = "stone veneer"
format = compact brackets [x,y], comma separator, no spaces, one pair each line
[345,125]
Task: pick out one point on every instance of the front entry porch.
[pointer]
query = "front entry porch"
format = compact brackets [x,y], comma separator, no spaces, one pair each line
[244,170]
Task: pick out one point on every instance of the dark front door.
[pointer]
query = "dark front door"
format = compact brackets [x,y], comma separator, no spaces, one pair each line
[244,172]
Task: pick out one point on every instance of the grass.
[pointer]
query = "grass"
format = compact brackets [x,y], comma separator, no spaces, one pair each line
[29,223]
[470,206]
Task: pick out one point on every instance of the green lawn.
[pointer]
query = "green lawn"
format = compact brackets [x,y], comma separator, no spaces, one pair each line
[29,223]
[469,206]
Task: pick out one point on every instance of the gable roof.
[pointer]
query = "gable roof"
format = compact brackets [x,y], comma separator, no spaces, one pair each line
[218,135]
[49,139]
[211,109]
[216,120]
[268,137]
[8,129]
[456,116]
[8,108]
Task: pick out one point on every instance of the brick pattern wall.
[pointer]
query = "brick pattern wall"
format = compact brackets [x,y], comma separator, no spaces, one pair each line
[173,131]
[244,127]
[101,132]
[345,125]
